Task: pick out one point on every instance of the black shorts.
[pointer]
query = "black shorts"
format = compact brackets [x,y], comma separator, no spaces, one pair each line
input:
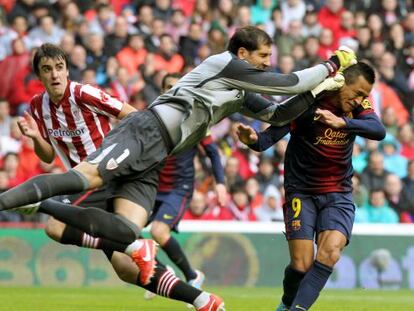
[131,157]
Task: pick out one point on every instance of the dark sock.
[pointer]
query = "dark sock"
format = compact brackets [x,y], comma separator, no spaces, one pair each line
[73,236]
[174,251]
[42,187]
[291,284]
[311,286]
[93,221]
[164,283]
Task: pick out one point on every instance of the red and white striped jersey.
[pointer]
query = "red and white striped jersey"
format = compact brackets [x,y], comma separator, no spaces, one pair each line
[76,126]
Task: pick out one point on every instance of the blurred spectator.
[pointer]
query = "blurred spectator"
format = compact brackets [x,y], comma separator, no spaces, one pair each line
[389,119]
[330,14]
[116,39]
[389,11]
[124,86]
[394,162]
[377,209]
[392,190]
[11,65]
[67,43]
[376,25]
[292,36]
[152,41]
[266,175]
[96,56]
[327,43]
[178,24]
[70,16]
[292,10]
[5,118]
[231,172]
[312,50]
[407,194]
[15,175]
[217,39]
[77,63]
[311,26]
[163,9]
[167,57]
[359,192]
[133,55]
[261,11]
[406,138]
[239,206]
[104,21]
[373,176]
[89,77]
[363,35]
[346,29]
[359,155]
[253,191]
[4,186]
[189,44]
[47,31]
[145,18]
[271,209]
[18,29]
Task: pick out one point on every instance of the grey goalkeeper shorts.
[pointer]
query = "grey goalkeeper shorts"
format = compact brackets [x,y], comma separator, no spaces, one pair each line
[131,157]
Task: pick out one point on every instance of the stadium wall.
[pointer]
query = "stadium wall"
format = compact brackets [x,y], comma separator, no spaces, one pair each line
[230,253]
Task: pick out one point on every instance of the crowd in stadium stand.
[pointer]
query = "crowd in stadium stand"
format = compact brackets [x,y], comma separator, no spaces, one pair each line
[126,47]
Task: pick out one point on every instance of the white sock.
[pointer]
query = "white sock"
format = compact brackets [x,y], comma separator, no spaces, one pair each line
[137,244]
[201,300]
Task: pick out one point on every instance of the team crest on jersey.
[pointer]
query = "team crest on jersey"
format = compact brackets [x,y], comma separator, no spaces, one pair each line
[296,225]
[46,117]
[104,96]
[366,104]
[111,164]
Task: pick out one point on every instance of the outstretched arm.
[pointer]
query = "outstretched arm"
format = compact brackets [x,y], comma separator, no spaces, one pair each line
[263,140]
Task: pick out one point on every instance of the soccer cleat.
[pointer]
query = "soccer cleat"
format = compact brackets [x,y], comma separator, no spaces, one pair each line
[144,258]
[197,283]
[282,307]
[148,295]
[214,304]
[28,209]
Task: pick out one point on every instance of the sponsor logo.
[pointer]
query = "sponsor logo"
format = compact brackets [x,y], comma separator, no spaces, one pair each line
[332,137]
[147,256]
[65,132]
[166,216]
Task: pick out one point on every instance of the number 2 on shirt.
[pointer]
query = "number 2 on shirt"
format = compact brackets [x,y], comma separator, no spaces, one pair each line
[296,207]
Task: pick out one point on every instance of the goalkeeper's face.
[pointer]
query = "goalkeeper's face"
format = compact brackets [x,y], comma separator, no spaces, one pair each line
[259,58]
[54,75]
[351,95]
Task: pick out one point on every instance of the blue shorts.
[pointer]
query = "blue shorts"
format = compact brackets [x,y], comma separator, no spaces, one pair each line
[306,215]
[170,207]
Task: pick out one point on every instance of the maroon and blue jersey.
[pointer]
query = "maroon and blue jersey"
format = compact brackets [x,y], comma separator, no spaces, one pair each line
[318,157]
[178,172]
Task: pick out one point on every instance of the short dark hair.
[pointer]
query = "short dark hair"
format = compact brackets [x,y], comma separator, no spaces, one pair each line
[248,37]
[352,73]
[174,75]
[48,50]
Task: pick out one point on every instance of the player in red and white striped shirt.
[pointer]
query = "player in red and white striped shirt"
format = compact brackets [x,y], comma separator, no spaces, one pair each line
[71,120]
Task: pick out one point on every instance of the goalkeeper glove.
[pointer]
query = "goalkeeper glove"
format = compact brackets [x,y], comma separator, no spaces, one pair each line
[329,84]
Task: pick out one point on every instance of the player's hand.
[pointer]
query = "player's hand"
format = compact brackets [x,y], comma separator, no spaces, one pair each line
[327,117]
[329,84]
[246,134]
[28,126]
[221,193]
[344,57]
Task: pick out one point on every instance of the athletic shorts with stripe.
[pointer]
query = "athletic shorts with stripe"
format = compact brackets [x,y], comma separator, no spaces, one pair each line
[131,157]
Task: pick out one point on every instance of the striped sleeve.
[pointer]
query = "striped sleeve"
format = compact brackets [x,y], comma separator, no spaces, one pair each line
[99,101]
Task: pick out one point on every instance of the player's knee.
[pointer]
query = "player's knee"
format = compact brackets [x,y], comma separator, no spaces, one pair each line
[329,255]
[301,263]
[54,229]
[160,232]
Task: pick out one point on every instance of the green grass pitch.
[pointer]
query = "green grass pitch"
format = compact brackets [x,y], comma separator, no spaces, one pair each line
[237,299]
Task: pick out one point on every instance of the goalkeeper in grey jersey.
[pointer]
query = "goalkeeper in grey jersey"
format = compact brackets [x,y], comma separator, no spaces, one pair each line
[131,155]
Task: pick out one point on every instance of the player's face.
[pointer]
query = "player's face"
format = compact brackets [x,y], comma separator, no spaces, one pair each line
[259,58]
[352,95]
[54,74]
[169,83]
